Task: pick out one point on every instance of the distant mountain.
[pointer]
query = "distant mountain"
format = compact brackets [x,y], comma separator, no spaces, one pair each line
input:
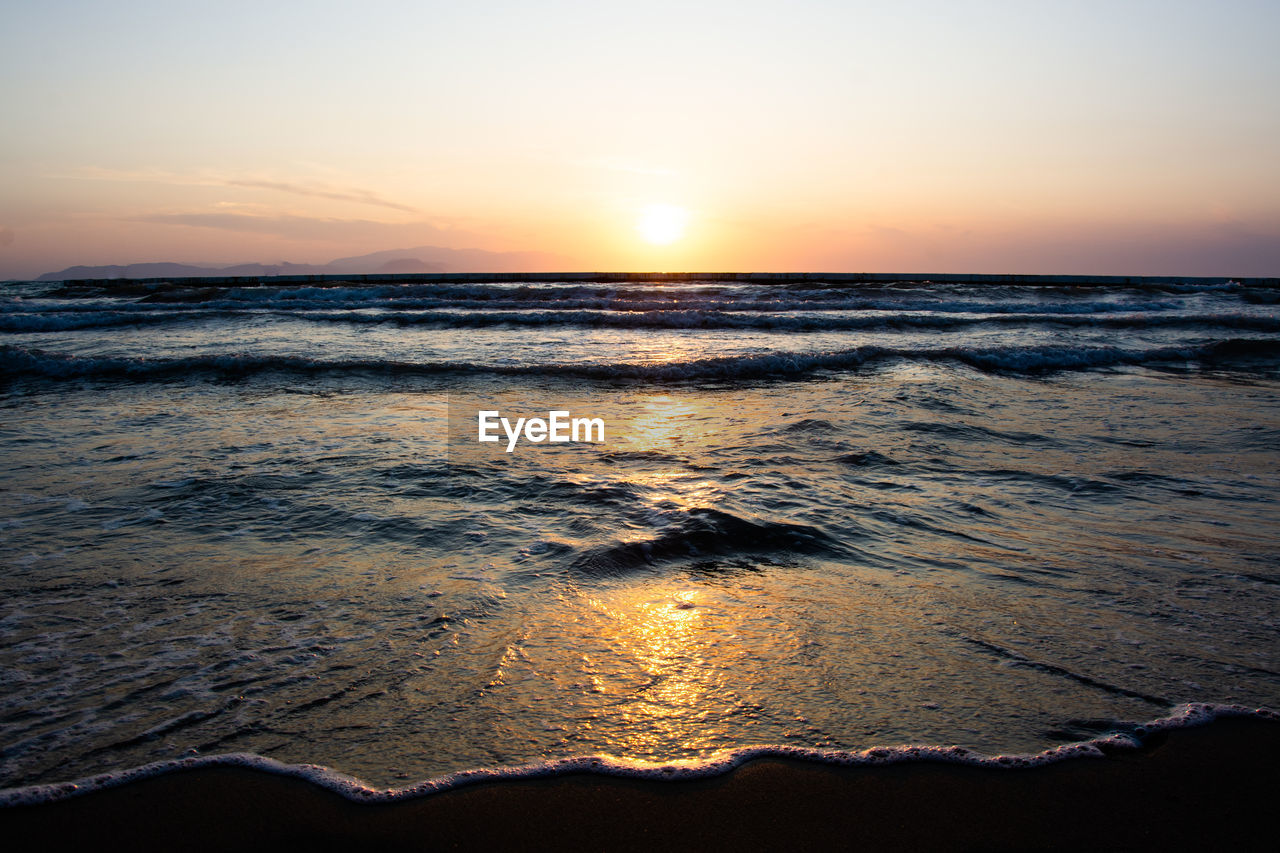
[421,259]
[158,270]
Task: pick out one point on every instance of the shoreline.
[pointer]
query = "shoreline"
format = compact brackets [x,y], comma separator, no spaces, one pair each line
[1200,787]
[619,277]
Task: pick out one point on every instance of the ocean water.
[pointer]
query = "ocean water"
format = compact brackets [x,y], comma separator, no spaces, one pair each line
[824,517]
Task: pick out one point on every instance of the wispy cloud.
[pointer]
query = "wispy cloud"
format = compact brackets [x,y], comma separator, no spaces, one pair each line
[354,195]
[304,227]
[358,196]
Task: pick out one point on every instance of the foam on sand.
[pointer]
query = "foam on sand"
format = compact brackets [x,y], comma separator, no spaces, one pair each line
[1183,716]
[1189,788]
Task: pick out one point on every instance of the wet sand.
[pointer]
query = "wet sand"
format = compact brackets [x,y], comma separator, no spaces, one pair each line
[1213,787]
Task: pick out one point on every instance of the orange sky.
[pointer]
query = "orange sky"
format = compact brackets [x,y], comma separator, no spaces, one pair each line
[1033,137]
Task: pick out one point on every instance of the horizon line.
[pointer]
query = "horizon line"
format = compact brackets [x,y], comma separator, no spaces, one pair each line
[607,277]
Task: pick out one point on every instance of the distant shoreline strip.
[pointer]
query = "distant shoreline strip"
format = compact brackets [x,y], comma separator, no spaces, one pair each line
[679,277]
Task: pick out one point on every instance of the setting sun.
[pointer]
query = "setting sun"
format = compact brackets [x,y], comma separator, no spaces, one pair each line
[662,223]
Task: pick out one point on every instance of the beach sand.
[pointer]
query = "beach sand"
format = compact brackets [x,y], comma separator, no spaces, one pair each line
[1209,788]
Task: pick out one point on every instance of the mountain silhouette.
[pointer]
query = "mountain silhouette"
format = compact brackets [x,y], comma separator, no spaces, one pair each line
[420,259]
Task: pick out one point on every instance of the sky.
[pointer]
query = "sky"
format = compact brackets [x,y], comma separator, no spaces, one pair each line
[1081,137]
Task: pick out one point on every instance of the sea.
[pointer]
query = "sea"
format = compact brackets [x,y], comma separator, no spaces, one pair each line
[832,516]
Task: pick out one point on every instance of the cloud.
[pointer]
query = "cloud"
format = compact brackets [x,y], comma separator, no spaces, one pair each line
[305,227]
[358,196]
[355,195]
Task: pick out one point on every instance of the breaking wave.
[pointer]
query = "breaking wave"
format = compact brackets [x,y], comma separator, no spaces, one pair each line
[16,361]
[1125,737]
[706,532]
[722,318]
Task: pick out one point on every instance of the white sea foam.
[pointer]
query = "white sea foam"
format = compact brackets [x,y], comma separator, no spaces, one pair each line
[17,361]
[1183,716]
[788,316]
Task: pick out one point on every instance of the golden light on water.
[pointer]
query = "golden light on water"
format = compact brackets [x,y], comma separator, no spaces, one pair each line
[663,423]
[665,639]
[669,348]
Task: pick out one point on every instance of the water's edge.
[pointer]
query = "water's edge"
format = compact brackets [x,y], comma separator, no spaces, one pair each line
[1181,717]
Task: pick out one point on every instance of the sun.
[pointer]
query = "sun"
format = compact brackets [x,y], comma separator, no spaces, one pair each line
[662,224]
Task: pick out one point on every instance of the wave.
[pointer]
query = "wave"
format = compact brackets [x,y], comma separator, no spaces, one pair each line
[650,301]
[682,319]
[1124,736]
[707,532]
[597,299]
[696,319]
[17,361]
[642,296]
[195,287]
[791,307]
[61,321]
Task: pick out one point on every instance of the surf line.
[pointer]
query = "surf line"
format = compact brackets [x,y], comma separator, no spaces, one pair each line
[559,427]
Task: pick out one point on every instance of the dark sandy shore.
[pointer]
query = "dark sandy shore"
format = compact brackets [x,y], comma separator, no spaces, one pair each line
[1211,788]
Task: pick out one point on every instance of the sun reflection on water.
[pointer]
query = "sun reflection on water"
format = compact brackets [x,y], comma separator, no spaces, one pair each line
[674,701]
[663,423]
